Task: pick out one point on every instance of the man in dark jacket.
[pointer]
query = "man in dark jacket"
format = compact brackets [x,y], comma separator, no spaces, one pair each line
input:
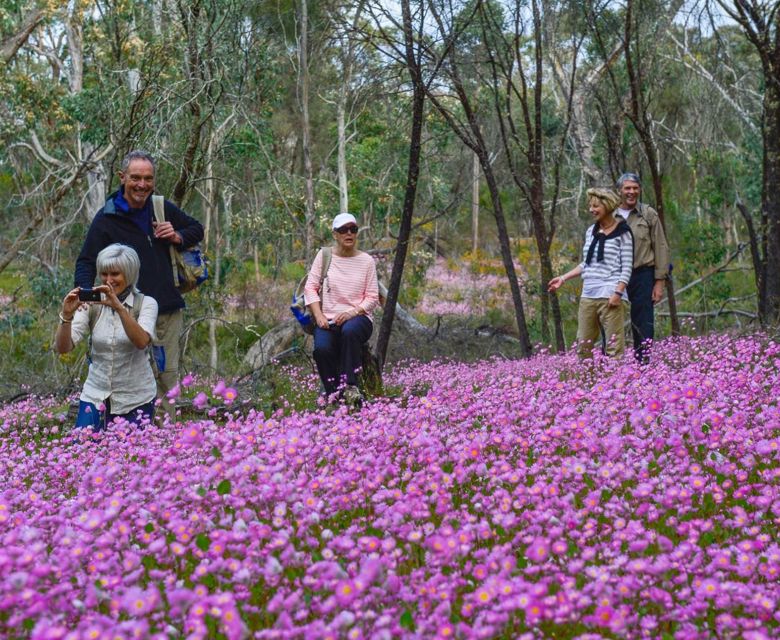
[128,218]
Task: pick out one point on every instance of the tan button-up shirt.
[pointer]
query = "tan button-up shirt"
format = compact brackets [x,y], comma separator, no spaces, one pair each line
[119,369]
[650,246]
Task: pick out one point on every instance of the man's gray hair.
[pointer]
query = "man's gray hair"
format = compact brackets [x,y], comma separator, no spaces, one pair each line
[633,177]
[137,154]
[122,258]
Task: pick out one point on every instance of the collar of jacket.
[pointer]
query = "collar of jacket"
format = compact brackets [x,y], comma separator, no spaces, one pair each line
[116,203]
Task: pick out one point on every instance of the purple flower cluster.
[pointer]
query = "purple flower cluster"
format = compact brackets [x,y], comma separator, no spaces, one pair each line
[525,499]
[464,290]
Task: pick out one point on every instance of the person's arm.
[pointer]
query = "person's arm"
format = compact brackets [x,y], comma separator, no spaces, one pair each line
[135,332]
[557,282]
[626,264]
[311,292]
[63,340]
[370,300]
[661,257]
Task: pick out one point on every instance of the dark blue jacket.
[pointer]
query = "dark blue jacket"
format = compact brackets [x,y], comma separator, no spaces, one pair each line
[112,225]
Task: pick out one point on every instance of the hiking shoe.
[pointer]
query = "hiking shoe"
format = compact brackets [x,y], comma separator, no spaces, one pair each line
[352,396]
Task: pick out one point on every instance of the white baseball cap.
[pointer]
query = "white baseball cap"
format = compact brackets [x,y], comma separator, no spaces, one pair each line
[342,219]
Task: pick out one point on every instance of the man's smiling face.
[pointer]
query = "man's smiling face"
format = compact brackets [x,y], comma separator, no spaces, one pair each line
[138,181]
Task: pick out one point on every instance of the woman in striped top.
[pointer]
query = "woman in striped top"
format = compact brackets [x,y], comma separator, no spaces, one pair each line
[608,255]
[342,309]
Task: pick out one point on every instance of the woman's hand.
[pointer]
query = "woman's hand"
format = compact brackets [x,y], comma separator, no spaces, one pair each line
[70,303]
[615,300]
[110,300]
[344,316]
[321,321]
[555,284]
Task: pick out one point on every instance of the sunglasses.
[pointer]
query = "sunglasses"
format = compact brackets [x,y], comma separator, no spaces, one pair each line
[347,228]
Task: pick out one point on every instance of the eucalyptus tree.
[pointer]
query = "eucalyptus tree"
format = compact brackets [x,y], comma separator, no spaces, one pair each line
[760,23]
[455,97]
[534,129]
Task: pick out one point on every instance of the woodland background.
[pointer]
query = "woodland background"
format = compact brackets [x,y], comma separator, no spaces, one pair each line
[463,135]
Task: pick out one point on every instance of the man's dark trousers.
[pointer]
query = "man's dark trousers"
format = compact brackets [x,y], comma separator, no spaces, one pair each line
[640,294]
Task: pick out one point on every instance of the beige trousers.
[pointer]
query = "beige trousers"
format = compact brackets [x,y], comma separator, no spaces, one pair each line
[169,329]
[596,314]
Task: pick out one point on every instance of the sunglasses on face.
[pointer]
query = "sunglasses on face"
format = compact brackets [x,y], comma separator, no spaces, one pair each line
[347,228]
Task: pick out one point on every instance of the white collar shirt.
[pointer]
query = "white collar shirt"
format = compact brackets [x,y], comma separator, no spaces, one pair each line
[119,370]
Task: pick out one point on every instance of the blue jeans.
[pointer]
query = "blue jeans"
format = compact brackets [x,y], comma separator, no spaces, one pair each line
[640,294]
[338,351]
[90,416]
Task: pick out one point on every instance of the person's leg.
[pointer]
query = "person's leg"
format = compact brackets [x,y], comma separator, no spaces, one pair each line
[89,416]
[587,326]
[354,334]
[326,355]
[141,414]
[640,293]
[167,351]
[611,320]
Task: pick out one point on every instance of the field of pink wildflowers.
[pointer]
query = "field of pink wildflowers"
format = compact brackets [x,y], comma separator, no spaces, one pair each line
[505,499]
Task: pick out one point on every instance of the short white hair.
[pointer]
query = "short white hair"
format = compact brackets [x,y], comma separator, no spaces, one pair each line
[124,259]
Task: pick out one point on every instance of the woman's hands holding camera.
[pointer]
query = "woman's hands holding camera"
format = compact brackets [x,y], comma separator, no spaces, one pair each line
[70,303]
[76,298]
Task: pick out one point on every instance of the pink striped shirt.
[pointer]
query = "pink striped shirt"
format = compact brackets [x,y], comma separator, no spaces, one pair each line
[351,283]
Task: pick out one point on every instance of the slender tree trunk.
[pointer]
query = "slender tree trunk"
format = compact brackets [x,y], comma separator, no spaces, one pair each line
[475,205]
[95,196]
[759,261]
[474,139]
[190,14]
[506,257]
[771,192]
[303,97]
[341,115]
[410,194]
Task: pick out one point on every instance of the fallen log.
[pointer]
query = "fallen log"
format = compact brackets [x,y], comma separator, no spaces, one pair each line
[272,343]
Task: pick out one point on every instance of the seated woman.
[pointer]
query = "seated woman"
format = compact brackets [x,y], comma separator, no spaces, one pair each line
[342,308]
[120,382]
[608,256]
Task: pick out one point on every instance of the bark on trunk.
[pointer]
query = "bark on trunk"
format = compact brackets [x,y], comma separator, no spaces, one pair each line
[771,193]
[11,44]
[475,205]
[303,97]
[410,194]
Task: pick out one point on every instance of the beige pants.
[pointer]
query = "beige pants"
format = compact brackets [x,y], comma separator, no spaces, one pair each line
[596,314]
[169,329]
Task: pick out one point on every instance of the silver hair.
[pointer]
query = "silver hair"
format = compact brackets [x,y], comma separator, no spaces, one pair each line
[137,154]
[121,257]
[633,177]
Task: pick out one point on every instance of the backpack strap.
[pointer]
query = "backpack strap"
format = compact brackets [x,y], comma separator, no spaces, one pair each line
[327,253]
[158,203]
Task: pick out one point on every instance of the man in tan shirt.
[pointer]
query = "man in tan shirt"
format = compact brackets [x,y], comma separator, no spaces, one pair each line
[651,261]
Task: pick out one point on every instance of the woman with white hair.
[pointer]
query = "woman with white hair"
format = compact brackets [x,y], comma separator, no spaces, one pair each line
[608,257]
[120,322]
[341,292]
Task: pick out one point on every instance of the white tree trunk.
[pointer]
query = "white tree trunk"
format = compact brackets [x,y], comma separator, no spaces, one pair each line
[303,97]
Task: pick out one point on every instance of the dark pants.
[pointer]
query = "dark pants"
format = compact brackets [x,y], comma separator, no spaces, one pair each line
[640,294]
[90,416]
[338,351]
